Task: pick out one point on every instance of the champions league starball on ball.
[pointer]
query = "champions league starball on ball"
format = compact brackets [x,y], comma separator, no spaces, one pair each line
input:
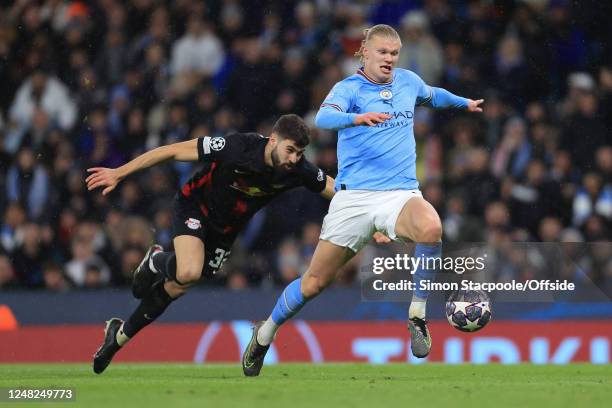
[468,310]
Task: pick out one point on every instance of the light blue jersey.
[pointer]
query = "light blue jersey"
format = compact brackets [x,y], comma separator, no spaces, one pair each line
[380,157]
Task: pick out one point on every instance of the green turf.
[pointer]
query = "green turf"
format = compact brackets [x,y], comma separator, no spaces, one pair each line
[327,385]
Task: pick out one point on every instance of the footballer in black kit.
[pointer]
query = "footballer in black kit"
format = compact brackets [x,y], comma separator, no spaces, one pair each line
[242,172]
[218,201]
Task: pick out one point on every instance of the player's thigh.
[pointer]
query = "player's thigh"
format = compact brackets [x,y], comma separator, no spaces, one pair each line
[349,222]
[189,252]
[326,261]
[419,221]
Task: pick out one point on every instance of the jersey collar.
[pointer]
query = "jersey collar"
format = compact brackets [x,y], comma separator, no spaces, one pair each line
[361,72]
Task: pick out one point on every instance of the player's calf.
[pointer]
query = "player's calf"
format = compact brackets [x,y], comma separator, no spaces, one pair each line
[151,307]
[327,259]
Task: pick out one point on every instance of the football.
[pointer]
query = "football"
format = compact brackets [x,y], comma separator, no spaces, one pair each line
[468,310]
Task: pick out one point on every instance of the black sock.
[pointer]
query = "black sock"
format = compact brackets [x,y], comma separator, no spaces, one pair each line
[150,308]
[165,263]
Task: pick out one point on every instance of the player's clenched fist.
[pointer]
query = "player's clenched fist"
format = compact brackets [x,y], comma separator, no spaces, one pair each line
[371,118]
[102,177]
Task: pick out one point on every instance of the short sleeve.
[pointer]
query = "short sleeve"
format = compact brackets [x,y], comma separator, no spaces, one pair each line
[340,98]
[219,148]
[312,177]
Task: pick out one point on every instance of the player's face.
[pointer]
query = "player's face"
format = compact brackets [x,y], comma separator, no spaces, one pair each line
[380,57]
[286,154]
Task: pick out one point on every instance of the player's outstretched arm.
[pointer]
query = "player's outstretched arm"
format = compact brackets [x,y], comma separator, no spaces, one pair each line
[109,178]
[440,98]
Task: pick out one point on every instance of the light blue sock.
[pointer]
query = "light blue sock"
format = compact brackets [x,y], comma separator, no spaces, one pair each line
[425,252]
[289,303]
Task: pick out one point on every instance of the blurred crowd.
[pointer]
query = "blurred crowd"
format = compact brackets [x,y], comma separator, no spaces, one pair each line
[96,83]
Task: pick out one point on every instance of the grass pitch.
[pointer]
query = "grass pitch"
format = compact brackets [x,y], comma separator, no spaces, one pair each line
[326,385]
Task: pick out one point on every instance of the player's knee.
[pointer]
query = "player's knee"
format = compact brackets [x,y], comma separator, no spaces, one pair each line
[313,286]
[189,274]
[175,290]
[431,232]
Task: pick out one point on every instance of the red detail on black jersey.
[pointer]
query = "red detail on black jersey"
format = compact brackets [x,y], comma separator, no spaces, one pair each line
[233,186]
[240,207]
[186,190]
[204,209]
[206,180]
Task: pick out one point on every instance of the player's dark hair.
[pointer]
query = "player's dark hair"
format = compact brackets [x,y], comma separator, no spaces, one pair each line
[294,128]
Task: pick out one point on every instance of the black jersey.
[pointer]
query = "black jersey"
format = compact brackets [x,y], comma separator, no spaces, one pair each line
[235,181]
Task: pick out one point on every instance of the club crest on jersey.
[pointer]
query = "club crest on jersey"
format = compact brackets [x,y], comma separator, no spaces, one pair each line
[217,143]
[320,175]
[193,223]
[386,94]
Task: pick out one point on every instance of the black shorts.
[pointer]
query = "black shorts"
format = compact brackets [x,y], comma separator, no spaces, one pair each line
[189,220]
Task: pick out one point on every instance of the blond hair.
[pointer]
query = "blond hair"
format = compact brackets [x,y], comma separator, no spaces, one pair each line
[381,30]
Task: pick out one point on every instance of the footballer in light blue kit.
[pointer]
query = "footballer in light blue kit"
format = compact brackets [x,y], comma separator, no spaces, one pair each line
[377,188]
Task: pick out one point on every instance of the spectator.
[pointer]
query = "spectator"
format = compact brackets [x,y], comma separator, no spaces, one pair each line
[46,91]
[130,259]
[111,59]
[514,151]
[585,131]
[293,96]
[592,198]
[54,278]
[30,256]
[497,218]
[605,81]
[289,262]
[458,225]
[28,183]
[511,71]
[604,163]
[550,229]
[237,280]
[478,186]
[7,274]
[88,243]
[534,198]
[253,76]
[199,53]
[420,52]
[306,34]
